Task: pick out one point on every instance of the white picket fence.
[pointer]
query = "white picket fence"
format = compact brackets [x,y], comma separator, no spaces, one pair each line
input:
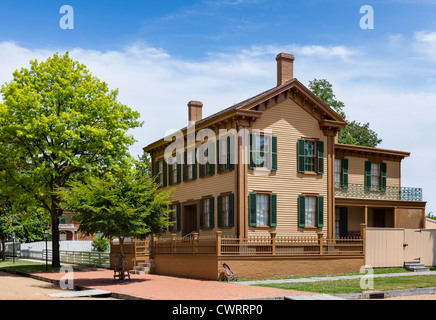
[76,252]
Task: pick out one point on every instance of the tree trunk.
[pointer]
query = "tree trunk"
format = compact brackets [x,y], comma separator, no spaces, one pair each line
[3,251]
[55,260]
[121,239]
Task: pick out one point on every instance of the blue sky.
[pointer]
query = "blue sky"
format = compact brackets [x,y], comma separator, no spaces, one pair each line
[163,54]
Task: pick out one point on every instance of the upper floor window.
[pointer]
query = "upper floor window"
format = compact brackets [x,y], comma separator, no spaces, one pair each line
[263,151]
[341,173]
[375,176]
[160,173]
[310,156]
[338,171]
[225,151]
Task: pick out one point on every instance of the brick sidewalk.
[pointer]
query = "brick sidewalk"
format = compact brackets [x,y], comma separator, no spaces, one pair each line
[158,287]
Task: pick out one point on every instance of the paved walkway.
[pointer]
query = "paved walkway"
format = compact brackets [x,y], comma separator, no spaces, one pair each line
[158,287]
[333,278]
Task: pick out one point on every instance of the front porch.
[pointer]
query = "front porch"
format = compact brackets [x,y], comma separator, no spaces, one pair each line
[376,213]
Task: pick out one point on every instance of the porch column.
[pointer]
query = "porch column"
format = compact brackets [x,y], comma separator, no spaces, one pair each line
[366,215]
[331,186]
[241,179]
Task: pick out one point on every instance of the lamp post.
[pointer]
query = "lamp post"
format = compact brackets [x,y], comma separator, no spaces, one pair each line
[13,247]
[46,233]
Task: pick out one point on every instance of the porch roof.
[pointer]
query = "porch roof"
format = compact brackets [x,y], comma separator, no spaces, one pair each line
[356,202]
[364,151]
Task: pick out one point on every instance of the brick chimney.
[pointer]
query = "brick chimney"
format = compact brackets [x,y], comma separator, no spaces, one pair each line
[195,111]
[285,68]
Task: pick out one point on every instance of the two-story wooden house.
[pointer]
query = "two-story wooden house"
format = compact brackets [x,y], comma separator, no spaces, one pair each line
[271,167]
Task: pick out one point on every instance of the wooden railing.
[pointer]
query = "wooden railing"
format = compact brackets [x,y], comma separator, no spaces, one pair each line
[267,245]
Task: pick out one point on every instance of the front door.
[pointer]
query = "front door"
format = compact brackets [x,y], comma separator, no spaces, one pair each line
[189,219]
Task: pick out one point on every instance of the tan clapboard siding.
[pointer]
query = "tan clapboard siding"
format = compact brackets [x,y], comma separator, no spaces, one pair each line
[356,171]
[208,186]
[289,122]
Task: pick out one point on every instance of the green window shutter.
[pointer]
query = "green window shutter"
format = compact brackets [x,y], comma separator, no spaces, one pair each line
[320,207]
[201,213]
[194,166]
[231,210]
[156,168]
[218,160]
[185,167]
[252,209]
[343,222]
[273,153]
[211,166]
[367,175]
[251,164]
[345,173]
[212,212]
[179,216]
[200,168]
[219,211]
[231,152]
[179,168]
[321,157]
[170,174]
[301,156]
[273,210]
[301,211]
[165,169]
[383,169]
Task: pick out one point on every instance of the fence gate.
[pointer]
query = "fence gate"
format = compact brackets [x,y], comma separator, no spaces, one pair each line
[412,241]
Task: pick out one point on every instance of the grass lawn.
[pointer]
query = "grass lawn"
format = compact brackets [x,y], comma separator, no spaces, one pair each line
[353,285]
[375,270]
[26,266]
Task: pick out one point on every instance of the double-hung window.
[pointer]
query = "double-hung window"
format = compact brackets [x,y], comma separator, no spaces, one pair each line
[262,209]
[263,151]
[225,208]
[375,176]
[341,173]
[207,213]
[310,211]
[338,171]
[310,156]
[225,152]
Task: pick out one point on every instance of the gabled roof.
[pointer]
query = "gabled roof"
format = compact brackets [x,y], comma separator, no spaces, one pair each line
[254,107]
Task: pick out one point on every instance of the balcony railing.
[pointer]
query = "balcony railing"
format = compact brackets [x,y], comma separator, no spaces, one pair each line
[391,193]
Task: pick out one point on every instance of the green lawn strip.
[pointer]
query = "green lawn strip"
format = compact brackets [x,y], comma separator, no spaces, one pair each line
[26,266]
[353,285]
[375,270]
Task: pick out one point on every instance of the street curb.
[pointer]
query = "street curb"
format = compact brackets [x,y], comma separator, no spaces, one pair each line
[115,295]
[387,294]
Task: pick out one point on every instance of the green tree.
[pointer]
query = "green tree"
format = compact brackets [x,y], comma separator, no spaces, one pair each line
[122,203]
[354,133]
[58,122]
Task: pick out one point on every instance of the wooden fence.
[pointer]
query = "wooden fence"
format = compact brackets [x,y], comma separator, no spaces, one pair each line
[394,246]
[273,245]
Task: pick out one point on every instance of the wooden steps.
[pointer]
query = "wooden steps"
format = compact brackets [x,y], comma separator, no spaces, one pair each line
[143,267]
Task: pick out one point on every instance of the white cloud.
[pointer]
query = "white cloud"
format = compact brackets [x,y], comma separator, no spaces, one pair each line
[425,43]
